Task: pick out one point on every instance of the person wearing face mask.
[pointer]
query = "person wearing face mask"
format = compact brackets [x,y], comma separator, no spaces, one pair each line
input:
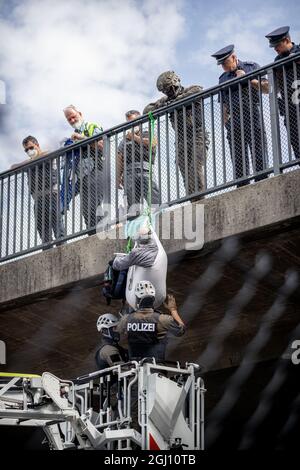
[43,187]
[32,149]
[190,135]
[281,41]
[133,166]
[242,133]
[90,172]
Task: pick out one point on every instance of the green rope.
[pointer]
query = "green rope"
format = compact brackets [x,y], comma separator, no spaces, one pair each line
[129,245]
[147,211]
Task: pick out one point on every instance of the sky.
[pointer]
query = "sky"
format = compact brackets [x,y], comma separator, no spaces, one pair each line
[104,56]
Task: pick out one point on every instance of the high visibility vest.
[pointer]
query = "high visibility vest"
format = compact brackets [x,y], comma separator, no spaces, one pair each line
[89,128]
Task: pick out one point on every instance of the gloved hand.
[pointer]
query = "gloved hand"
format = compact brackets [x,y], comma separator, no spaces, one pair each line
[170,302]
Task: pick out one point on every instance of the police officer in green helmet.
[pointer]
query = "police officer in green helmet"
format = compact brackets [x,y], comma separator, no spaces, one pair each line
[192,141]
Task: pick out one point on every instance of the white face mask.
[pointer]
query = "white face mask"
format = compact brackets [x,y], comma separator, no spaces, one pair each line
[32,153]
[77,124]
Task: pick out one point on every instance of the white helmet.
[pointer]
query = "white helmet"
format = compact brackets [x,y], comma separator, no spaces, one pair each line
[145,294]
[144,288]
[105,322]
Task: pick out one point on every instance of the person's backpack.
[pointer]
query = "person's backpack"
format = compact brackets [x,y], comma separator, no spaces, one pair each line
[114,284]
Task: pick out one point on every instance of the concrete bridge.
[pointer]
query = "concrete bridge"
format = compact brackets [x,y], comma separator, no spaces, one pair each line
[236,288]
[50,301]
[56,294]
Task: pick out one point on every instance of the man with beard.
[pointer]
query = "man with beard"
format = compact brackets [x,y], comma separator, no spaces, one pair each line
[90,169]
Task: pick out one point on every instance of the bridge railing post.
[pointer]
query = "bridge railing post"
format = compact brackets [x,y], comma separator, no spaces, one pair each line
[274,116]
[107,176]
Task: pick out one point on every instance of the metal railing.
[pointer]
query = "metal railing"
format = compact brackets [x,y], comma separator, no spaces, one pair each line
[118,408]
[229,135]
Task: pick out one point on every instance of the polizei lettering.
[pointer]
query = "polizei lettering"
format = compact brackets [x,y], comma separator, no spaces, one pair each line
[149,327]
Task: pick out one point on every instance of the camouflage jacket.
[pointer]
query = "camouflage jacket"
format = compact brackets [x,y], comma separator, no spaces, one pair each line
[193,113]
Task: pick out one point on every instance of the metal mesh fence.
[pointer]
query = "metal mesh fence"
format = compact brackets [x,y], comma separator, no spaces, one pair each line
[231,135]
[286,79]
[235,394]
[231,317]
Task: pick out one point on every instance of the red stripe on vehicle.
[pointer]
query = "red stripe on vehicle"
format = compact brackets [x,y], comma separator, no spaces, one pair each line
[153,444]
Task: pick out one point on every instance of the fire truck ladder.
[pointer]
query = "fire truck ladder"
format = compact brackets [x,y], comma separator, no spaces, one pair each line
[129,406]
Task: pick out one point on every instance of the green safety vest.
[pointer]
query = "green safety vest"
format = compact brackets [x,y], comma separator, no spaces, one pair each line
[89,128]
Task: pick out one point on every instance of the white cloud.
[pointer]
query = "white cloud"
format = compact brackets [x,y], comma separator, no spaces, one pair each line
[102,56]
[2,92]
[246,28]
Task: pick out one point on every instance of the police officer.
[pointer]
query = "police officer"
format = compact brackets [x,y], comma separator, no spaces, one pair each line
[110,352]
[146,329]
[237,124]
[280,40]
[169,83]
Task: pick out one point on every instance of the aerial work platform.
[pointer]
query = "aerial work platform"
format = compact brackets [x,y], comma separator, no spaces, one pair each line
[135,405]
